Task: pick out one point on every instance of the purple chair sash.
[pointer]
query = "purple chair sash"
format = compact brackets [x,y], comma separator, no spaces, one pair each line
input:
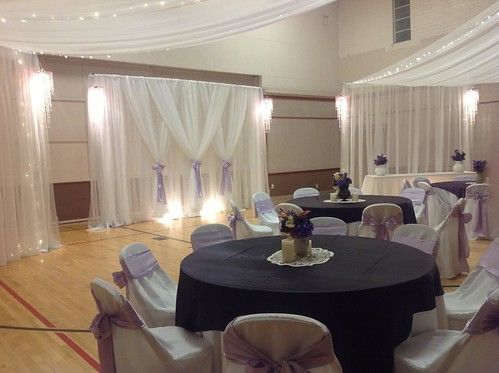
[196,165]
[264,205]
[160,191]
[233,219]
[426,246]
[238,350]
[101,329]
[490,260]
[135,266]
[463,244]
[226,184]
[382,228]
[480,224]
[208,238]
[485,319]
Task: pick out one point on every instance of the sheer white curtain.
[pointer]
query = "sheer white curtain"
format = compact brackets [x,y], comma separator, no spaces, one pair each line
[173,123]
[28,222]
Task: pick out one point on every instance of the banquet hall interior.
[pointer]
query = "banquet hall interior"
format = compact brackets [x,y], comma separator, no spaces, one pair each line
[214,185]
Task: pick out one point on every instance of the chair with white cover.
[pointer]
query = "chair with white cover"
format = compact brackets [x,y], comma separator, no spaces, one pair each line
[329,226]
[406,184]
[462,303]
[265,211]
[477,200]
[453,247]
[150,290]
[437,204]
[418,179]
[305,192]
[125,344]
[471,177]
[242,229]
[278,343]
[287,208]
[380,220]
[417,196]
[210,234]
[474,349]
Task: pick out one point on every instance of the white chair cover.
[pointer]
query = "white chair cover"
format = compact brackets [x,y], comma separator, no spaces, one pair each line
[477,201]
[474,350]
[417,196]
[418,179]
[305,192]
[149,289]
[126,345]
[210,234]
[265,211]
[329,226]
[242,229]
[453,248]
[278,343]
[406,184]
[288,207]
[471,177]
[380,220]
[437,204]
[462,303]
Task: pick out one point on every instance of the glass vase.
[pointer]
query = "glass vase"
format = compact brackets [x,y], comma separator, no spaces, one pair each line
[301,246]
[458,167]
[344,194]
[380,170]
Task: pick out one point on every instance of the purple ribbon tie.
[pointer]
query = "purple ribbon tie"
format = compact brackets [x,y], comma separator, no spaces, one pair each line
[480,224]
[135,266]
[233,219]
[196,165]
[463,245]
[382,228]
[160,191]
[226,184]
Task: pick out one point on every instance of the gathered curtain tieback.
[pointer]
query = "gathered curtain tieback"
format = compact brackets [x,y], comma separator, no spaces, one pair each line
[101,329]
[480,224]
[135,266]
[233,219]
[463,245]
[238,350]
[160,188]
[226,183]
[381,228]
[196,165]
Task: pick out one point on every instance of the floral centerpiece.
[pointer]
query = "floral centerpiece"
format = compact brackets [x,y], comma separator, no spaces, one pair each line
[299,227]
[341,181]
[458,157]
[380,164]
[479,167]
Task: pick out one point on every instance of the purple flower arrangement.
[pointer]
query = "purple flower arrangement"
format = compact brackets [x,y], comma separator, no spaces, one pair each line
[296,225]
[380,160]
[458,155]
[341,180]
[479,166]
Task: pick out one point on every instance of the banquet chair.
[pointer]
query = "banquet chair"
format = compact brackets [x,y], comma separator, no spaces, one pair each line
[406,184]
[242,229]
[417,196]
[210,234]
[276,340]
[471,178]
[148,288]
[418,179]
[477,198]
[380,220]
[437,204]
[474,349]
[126,344]
[305,192]
[288,207]
[463,302]
[453,248]
[329,226]
[265,211]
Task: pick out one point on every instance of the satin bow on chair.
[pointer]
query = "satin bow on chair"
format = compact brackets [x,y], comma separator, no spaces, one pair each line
[381,228]
[463,245]
[480,224]
[233,219]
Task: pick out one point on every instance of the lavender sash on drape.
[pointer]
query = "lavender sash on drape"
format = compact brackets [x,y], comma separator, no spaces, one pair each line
[382,228]
[101,329]
[240,351]
[490,260]
[196,165]
[264,205]
[135,266]
[226,184]
[485,319]
[233,219]
[426,246]
[463,244]
[480,224]
[160,189]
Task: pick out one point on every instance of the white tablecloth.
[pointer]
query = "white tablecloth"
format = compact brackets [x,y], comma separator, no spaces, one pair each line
[391,184]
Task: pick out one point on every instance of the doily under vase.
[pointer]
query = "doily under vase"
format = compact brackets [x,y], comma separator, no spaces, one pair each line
[318,256]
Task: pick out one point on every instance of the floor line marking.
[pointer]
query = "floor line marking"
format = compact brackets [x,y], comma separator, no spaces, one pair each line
[71,343]
[35,329]
[155,234]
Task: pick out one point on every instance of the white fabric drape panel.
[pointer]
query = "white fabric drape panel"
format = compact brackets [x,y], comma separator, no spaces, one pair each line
[28,221]
[188,115]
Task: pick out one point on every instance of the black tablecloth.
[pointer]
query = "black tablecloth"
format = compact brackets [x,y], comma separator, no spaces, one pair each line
[350,212]
[365,294]
[456,187]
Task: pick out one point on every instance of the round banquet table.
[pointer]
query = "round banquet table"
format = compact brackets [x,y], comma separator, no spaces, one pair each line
[352,212]
[365,294]
[457,187]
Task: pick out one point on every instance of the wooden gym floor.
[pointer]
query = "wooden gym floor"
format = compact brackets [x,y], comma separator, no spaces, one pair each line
[51,291]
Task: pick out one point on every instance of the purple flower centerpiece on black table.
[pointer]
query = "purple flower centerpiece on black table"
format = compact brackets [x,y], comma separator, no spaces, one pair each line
[343,183]
[299,227]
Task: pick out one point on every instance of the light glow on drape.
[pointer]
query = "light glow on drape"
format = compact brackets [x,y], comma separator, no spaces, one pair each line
[267,108]
[471,98]
[41,87]
[341,105]
[96,102]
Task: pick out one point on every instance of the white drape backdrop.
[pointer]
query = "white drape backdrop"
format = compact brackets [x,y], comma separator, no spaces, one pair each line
[28,222]
[173,123]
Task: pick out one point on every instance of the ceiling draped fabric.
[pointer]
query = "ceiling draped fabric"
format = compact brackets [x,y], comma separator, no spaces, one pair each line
[123,26]
[415,111]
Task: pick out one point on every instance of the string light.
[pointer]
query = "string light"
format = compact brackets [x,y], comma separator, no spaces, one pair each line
[341,104]
[267,108]
[471,98]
